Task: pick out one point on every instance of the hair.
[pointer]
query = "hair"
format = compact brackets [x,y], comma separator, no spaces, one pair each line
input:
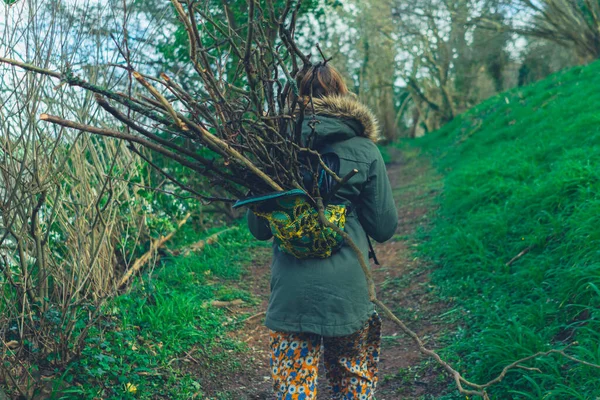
[323,80]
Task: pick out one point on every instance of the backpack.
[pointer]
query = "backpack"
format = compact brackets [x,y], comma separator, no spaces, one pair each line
[294,220]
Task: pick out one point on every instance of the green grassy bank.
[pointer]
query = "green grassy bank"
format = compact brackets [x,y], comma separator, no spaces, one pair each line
[517,237]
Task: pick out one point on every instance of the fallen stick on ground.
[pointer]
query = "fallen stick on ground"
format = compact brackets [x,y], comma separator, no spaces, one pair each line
[222,304]
[521,254]
[154,246]
[200,245]
[246,320]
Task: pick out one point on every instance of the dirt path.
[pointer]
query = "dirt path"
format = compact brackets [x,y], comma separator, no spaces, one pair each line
[403,284]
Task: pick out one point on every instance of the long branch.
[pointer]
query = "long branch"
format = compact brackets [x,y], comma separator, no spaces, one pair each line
[122,136]
[76,81]
[209,164]
[155,245]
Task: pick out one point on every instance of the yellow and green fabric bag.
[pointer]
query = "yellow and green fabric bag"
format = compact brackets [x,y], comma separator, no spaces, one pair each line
[295,223]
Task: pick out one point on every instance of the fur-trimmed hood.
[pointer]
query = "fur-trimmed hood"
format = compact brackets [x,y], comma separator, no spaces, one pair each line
[347,108]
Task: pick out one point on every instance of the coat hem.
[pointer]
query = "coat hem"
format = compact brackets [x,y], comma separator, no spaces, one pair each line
[319,329]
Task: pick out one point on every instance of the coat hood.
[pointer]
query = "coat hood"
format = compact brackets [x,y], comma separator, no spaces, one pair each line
[347,109]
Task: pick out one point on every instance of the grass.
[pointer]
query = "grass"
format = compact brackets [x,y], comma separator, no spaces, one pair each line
[163,339]
[521,175]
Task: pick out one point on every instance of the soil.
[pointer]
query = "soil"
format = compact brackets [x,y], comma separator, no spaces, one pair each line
[403,282]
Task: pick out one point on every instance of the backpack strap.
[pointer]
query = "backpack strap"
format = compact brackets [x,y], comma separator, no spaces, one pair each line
[372,251]
[332,160]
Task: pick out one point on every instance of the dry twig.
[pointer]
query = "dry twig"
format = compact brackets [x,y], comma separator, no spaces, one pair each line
[154,246]
[200,245]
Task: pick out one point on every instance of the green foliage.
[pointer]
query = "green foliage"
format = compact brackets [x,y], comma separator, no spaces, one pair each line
[385,154]
[139,349]
[522,178]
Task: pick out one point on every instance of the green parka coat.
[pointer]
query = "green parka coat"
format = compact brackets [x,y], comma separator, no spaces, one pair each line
[329,296]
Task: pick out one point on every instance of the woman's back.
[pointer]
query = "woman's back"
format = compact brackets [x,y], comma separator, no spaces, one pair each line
[329,296]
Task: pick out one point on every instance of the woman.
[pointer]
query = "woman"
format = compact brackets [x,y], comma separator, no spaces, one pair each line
[324,302]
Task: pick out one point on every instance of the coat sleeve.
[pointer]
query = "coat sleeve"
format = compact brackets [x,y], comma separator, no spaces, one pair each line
[259,227]
[377,211]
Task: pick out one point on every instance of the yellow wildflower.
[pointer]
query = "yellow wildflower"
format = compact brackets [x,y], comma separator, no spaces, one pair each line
[130,388]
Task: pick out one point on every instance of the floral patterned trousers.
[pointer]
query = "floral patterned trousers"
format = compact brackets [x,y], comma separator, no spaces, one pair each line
[350,363]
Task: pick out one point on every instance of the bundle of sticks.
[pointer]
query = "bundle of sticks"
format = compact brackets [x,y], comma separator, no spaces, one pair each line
[241,130]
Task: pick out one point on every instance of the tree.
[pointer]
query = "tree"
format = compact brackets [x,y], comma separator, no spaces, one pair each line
[376,74]
[571,23]
[541,58]
[443,56]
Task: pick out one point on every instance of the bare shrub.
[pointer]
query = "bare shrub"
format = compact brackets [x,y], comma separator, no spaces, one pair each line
[66,207]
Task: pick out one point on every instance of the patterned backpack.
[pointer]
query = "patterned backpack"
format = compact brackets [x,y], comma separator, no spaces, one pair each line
[294,220]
